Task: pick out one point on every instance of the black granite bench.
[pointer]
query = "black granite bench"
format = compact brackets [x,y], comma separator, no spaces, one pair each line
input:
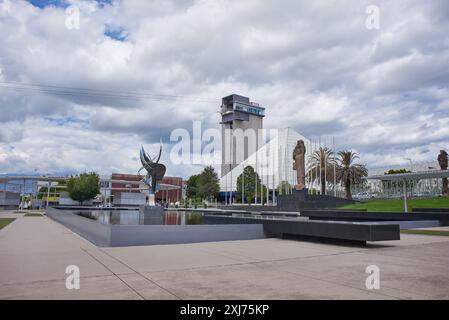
[440,210]
[341,230]
[340,215]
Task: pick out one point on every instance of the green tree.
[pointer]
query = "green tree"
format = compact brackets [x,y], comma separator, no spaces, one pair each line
[192,186]
[247,179]
[321,167]
[348,172]
[84,187]
[263,195]
[208,183]
[397,171]
[283,187]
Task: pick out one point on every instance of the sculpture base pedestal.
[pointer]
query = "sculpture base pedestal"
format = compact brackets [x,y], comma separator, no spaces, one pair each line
[151,200]
[151,215]
[301,194]
[302,200]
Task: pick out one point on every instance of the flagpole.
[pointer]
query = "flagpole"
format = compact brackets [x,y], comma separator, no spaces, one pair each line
[325,167]
[335,170]
[321,167]
[273,188]
[243,185]
[255,178]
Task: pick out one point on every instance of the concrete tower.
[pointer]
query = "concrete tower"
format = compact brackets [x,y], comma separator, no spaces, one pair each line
[240,124]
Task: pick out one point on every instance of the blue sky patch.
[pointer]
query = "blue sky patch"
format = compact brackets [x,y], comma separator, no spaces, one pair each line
[63,3]
[47,3]
[116,33]
[64,121]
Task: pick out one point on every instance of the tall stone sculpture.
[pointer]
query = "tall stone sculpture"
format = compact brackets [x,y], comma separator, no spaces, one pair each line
[443,162]
[155,172]
[300,165]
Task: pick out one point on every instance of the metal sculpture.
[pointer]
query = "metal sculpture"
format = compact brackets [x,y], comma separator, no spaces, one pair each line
[155,170]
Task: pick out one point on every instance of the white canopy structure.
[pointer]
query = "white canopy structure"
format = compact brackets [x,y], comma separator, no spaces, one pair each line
[404,177]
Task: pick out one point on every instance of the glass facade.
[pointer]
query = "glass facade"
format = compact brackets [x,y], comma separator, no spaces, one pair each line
[238,106]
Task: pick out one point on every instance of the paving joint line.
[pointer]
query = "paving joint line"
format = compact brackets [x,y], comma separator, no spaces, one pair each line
[56,280]
[129,286]
[142,275]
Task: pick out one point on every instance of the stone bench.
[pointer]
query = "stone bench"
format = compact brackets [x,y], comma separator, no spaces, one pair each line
[440,210]
[341,230]
[340,215]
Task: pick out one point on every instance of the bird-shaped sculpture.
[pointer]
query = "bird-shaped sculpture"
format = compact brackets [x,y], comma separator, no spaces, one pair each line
[155,170]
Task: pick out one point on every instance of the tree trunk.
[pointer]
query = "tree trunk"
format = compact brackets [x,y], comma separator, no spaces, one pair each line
[348,189]
[323,185]
[445,190]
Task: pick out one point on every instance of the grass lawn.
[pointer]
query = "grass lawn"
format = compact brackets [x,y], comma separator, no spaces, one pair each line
[398,204]
[5,221]
[427,232]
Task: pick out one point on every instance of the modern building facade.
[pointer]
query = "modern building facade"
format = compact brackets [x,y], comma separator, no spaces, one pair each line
[241,121]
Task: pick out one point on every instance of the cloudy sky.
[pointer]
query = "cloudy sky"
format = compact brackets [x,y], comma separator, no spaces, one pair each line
[76,99]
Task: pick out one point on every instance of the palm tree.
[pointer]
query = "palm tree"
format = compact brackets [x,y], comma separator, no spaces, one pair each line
[348,172]
[443,162]
[321,166]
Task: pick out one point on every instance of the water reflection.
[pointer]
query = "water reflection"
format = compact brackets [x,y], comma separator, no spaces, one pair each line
[134,217]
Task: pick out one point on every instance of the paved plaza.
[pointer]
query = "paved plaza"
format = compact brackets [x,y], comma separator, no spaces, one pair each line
[35,251]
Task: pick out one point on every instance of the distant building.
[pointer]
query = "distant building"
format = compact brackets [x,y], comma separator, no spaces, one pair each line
[241,120]
[170,190]
[9,200]
[122,182]
[172,195]
[130,199]
[413,167]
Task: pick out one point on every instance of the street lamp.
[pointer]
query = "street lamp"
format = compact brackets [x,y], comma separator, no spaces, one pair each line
[48,193]
[405,186]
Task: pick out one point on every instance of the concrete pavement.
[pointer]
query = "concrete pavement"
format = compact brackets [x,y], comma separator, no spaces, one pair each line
[35,251]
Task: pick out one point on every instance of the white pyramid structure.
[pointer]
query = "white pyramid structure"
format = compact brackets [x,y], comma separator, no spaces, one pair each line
[273,161]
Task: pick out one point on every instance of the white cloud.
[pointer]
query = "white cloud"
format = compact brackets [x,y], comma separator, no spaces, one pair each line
[314,66]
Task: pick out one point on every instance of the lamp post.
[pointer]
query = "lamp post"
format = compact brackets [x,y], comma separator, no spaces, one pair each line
[232,162]
[411,170]
[335,170]
[405,194]
[48,193]
[243,185]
